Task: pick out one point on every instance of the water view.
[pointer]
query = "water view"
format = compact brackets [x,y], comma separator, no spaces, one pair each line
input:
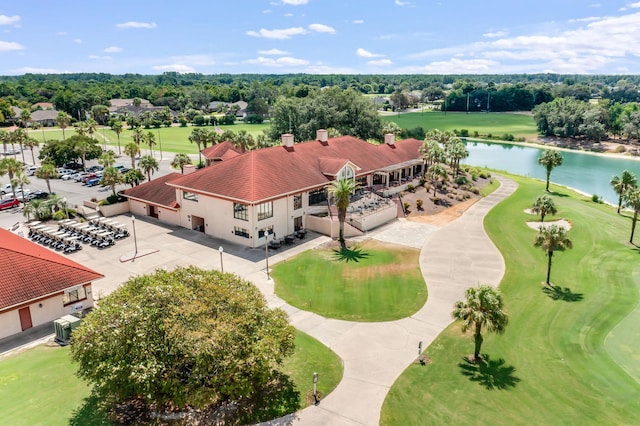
[585,172]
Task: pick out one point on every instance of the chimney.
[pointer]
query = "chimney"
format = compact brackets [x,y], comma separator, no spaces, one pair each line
[389,139]
[321,135]
[287,140]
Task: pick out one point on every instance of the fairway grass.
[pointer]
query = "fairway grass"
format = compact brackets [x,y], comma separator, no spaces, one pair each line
[551,366]
[384,283]
[495,123]
[39,386]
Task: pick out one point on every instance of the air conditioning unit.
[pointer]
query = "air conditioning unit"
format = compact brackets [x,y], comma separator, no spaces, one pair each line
[63,327]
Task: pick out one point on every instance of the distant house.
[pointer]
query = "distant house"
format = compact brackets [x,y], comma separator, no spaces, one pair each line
[42,105]
[45,117]
[220,152]
[38,285]
[119,103]
[240,106]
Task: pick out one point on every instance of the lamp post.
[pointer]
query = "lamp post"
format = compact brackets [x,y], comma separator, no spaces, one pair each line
[221,250]
[66,207]
[266,252]
[315,392]
[135,239]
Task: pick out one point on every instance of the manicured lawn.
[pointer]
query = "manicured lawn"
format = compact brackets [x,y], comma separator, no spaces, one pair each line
[173,139]
[554,364]
[519,125]
[39,386]
[381,282]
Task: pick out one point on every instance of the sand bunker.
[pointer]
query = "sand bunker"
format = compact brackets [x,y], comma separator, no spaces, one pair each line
[561,223]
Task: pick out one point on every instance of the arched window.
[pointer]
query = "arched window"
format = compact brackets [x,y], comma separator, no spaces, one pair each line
[346,172]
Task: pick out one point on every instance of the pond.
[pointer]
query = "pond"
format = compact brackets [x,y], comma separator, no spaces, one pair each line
[585,172]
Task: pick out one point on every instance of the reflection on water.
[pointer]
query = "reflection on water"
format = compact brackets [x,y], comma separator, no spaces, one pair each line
[588,173]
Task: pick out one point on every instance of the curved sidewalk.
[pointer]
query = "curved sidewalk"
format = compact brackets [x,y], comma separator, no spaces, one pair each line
[453,258]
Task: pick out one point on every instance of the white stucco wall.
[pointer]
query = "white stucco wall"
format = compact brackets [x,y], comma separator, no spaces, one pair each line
[51,309]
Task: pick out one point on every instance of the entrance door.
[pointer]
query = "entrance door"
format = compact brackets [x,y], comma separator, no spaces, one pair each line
[25,318]
[153,211]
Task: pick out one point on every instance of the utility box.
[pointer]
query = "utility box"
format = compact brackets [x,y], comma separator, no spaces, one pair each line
[63,327]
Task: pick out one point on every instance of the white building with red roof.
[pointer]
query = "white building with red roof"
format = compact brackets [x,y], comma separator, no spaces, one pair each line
[38,285]
[281,189]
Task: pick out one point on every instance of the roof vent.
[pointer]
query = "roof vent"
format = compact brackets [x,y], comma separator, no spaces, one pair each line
[389,139]
[287,140]
[322,135]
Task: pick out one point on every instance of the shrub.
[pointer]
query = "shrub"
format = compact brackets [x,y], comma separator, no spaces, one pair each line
[103,203]
[419,203]
[508,137]
[489,135]
[94,200]
[450,195]
[521,139]
[422,181]
[435,200]
[621,149]
[411,188]
[459,197]
[461,180]
[464,133]
[596,198]
[475,190]
[474,176]
[112,199]
[406,206]
[483,175]
[476,134]
[59,215]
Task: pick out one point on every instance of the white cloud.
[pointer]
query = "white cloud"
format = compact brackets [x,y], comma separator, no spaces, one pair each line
[77,40]
[34,70]
[288,15]
[495,34]
[635,5]
[266,11]
[295,2]
[279,34]
[61,33]
[174,67]
[277,52]
[321,28]
[113,49]
[358,21]
[100,58]
[401,3]
[6,46]
[589,19]
[366,54]
[594,5]
[285,61]
[458,66]
[9,20]
[380,62]
[136,24]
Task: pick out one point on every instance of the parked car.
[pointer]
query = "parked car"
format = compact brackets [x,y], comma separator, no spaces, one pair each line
[31,170]
[18,195]
[78,176]
[94,169]
[88,177]
[39,195]
[9,203]
[69,176]
[6,188]
[93,181]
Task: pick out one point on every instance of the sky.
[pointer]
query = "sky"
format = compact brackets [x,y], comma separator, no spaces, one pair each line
[321,36]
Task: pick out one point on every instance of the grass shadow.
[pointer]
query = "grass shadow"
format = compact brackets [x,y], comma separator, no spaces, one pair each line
[350,255]
[90,413]
[276,400]
[558,194]
[562,293]
[492,374]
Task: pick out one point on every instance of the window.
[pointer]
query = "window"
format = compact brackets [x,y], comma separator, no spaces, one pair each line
[265,210]
[346,173]
[241,232]
[318,196]
[240,211]
[72,296]
[297,201]
[190,196]
[262,231]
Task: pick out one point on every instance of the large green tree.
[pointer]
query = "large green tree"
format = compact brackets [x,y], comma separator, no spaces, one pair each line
[132,149]
[111,177]
[483,308]
[551,239]
[550,159]
[543,205]
[342,190]
[621,184]
[47,172]
[185,338]
[148,164]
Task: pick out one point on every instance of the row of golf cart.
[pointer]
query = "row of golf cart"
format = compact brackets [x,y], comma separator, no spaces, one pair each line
[99,232]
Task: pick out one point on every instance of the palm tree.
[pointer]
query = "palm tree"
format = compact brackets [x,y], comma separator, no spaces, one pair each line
[543,205]
[20,179]
[107,159]
[482,309]
[116,126]
[133,177]
[150,139]
[132,150]
[138,136]
[32,143]
[551,239]
[632,200]
[47,172]
[11,167]
[436,172]
[457,151]
[148,164]
[179,161]
[19,136]
[5,138]
[111,177]
[341,191]
[82,147]
[82,128]
[91,126]
[31,208]
[199,136]
[432,152]
[63,122]
[550,159]
[621,184]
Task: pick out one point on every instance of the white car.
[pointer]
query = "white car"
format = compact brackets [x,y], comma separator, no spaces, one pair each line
[6,188]
[69,176]
[31,170]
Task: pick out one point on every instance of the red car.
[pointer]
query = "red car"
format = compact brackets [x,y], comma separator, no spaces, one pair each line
[9,203]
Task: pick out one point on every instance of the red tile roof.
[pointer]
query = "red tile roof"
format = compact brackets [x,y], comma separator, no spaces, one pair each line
[222,151]
[271,172]
[156,191]
[29,271]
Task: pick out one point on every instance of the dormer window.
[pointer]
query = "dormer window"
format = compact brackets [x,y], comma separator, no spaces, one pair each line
[346,172]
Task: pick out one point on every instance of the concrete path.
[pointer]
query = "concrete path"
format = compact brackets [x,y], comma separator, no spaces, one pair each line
[453,258]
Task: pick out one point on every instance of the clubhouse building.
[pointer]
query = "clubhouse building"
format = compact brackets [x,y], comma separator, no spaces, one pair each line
[281,190]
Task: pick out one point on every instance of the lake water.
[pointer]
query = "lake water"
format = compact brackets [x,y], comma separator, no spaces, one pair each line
[588,173]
